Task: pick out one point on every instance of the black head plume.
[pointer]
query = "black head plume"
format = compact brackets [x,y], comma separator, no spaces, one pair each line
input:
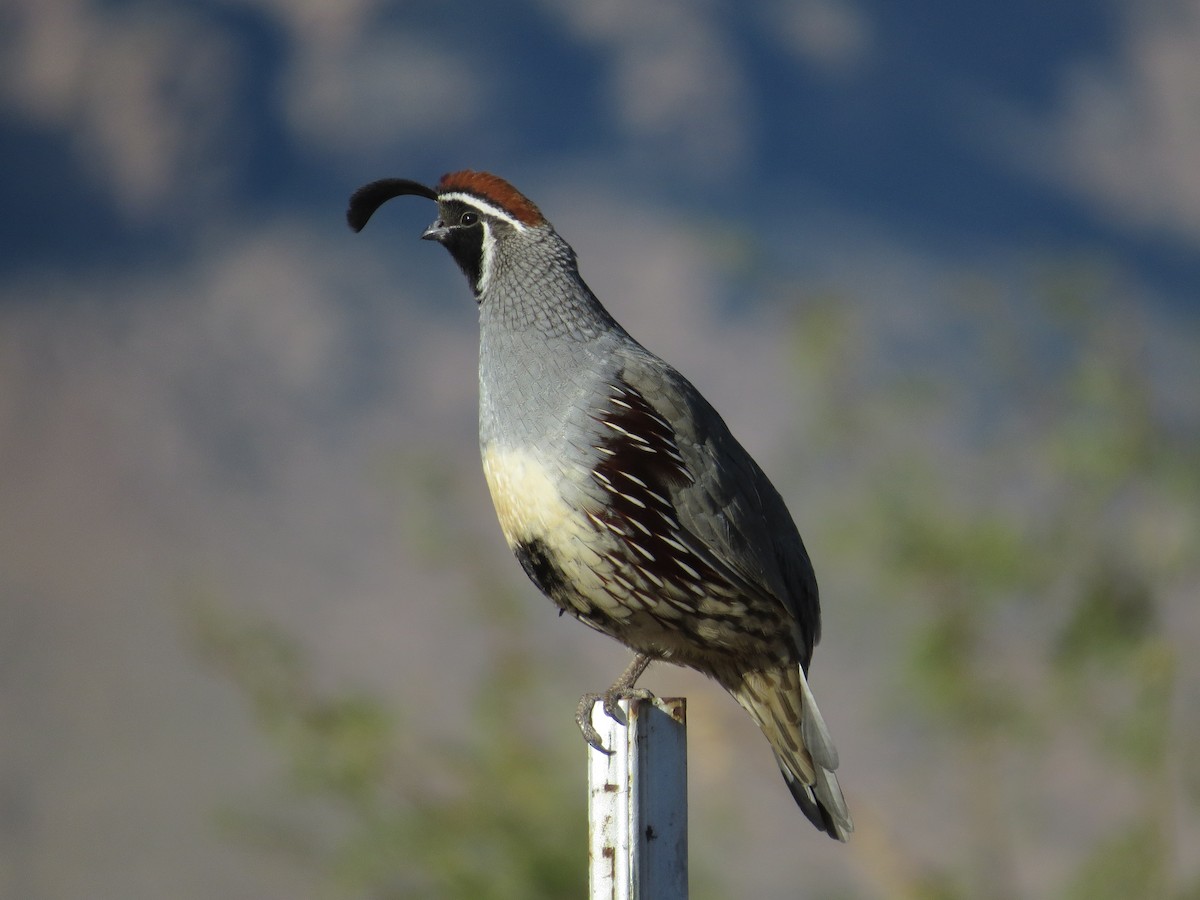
[370,197]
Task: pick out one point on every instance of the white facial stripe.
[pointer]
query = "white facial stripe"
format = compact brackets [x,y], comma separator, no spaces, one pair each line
[487,253]
[484,207]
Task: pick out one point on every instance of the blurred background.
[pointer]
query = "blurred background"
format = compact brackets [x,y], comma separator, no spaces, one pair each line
[937,263]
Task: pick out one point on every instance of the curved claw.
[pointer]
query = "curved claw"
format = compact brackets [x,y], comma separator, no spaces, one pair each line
[613,698]
[583,718]
[610,700]
[613,710]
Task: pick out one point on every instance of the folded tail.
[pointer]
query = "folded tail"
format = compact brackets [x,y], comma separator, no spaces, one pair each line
[780,701]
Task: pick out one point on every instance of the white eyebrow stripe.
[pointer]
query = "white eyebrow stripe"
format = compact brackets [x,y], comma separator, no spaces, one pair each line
[484,207]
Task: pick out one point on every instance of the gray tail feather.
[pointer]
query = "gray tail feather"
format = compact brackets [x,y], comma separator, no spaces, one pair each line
[822,802]
[780,701]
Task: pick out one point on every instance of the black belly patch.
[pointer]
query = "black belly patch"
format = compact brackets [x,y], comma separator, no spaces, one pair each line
[538,562]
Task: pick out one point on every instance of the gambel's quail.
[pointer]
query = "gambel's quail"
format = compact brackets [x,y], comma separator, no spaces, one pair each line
[620,489]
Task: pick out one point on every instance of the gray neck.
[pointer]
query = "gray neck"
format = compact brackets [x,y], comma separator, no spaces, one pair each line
[544,339]
[534,286]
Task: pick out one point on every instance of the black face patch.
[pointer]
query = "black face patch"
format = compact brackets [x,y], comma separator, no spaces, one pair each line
[465,242]
[539,564]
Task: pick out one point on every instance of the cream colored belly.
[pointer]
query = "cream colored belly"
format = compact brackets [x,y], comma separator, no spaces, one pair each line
[527,499]
[530,507]
[606,585]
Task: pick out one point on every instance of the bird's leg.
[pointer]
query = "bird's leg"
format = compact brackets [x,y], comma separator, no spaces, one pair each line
[622,689]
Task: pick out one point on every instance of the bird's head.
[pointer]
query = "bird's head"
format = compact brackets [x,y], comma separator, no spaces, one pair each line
[475,211]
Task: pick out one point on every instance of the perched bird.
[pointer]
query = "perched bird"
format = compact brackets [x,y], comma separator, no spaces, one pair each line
[621,490]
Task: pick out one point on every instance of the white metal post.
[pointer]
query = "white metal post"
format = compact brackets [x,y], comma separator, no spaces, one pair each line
[637,803]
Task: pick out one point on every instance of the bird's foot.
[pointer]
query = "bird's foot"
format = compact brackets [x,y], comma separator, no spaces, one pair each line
[610,699]
[623,689]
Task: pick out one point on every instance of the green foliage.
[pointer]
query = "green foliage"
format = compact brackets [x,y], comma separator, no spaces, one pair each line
[1032,504]
[1129,864]
[1114,613]
[367,814]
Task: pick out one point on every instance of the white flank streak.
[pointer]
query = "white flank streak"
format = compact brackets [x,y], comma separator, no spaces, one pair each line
[635,437]
[642,550]
[669,520]
[651,577]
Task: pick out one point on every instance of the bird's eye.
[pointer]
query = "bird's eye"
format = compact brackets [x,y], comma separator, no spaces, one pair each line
[468,218]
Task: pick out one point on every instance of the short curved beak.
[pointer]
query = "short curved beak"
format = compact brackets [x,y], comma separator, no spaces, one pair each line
[435,232]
